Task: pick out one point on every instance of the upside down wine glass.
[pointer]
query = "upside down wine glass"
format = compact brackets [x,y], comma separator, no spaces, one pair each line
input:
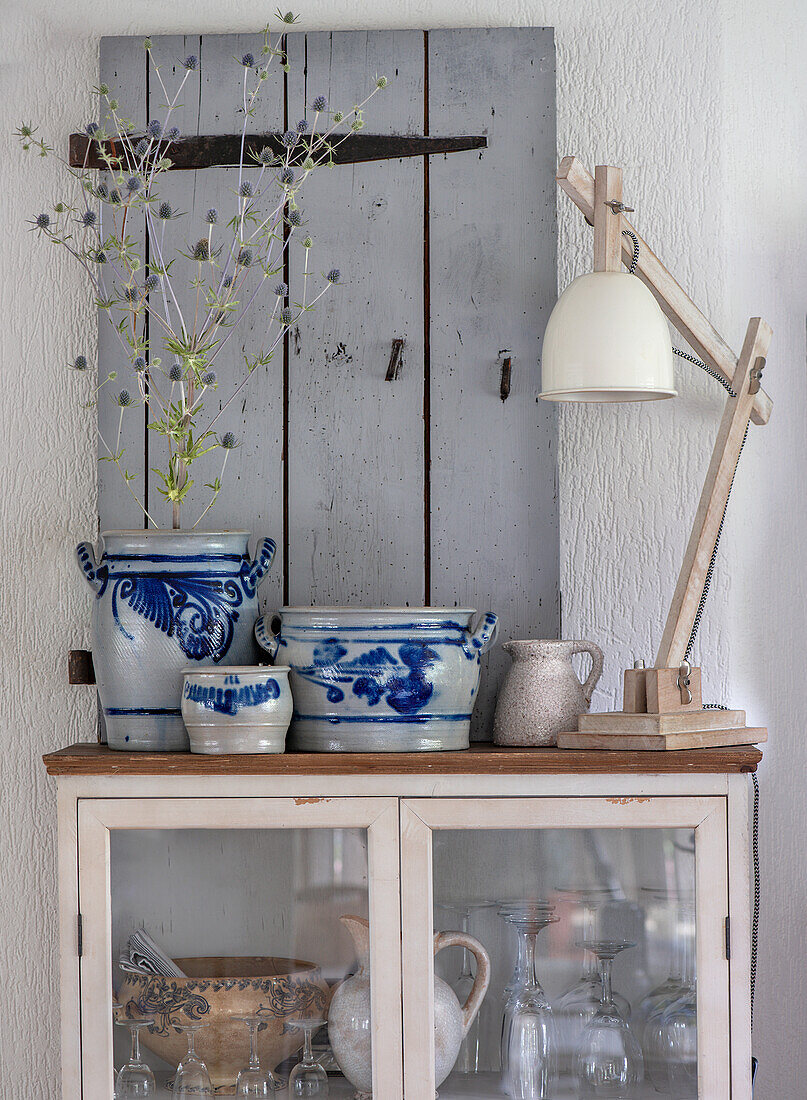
[680,909]
[469,1057]
[253,1080]
[529,1040]
[308,1079]
[580,1002]
[669,1038]
[609,1059]
[135,1081]
[192,1080]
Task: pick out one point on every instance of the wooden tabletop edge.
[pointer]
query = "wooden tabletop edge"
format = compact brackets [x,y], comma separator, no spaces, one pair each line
[480,759]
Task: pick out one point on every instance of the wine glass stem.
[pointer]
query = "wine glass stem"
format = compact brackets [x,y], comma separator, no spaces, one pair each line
[253,1047]
[605,970]
[191,1042]
[465,969]
[529,975]
[135,1045]
[308,1053]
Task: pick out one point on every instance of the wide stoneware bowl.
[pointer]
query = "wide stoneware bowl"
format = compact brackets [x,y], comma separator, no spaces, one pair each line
[215,992]
[395,679]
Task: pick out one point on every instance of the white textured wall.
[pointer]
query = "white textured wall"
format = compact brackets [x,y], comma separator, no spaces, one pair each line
[702,103]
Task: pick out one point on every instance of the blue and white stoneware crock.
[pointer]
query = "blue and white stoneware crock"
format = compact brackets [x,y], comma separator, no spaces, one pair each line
[237,709]
[164,599]
[379,680]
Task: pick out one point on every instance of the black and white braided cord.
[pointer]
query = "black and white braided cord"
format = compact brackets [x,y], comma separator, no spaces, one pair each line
[698,616]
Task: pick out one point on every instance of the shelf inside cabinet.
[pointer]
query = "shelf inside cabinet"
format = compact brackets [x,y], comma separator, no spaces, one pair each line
[480,759]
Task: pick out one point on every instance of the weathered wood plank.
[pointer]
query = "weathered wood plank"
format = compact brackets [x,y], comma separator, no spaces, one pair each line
[123,68]
[356,465]
[252,493]
[494,519]
[224,150]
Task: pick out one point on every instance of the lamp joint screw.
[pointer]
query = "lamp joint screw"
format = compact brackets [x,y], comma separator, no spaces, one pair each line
[684,673]
[618,207]
[755,375]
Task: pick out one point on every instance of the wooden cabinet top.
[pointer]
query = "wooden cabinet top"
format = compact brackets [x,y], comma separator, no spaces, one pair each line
[480,759]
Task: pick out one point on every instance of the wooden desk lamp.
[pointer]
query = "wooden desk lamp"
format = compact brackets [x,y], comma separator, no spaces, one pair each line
[607,340]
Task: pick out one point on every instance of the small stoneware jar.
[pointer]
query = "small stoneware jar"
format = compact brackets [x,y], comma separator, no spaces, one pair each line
[238,709]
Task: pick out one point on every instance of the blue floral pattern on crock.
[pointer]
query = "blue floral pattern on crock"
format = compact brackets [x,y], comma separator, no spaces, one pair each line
[375,675]
[197,609]
[230,699]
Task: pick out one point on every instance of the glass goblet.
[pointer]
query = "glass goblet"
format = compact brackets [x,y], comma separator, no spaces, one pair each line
[659,1057]
[609,1060]
[469,1058]
[581,1000]
[308,1079]
[529,1040]
[253,1080]
[679,911]
[192,1080]
[681,1027]
[135,1081]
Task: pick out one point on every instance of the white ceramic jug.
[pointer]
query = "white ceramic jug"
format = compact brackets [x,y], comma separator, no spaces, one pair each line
[349,1020]
[541,696]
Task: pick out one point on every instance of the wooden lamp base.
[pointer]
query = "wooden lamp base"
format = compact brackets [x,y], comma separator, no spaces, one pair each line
[662,710]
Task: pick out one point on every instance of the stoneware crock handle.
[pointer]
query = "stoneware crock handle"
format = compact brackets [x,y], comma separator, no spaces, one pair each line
[482,979]
[484,636]
[264,553]
[596,665]
[85,553]
[264,635]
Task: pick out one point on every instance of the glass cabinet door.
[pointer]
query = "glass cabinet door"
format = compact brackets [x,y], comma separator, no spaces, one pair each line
[565,948]
[217,937]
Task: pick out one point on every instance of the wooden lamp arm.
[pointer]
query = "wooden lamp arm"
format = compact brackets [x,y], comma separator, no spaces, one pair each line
[714,497]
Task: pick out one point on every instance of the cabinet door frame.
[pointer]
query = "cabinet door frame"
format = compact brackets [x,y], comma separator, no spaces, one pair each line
[708,816]
[98,817]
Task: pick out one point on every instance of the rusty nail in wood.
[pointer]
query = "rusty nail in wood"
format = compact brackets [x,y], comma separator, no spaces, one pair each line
[394,368]
[504,386]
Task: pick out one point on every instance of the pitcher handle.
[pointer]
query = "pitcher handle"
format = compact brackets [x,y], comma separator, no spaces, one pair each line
[483,637]
[85,555]
[597,660]
[482,979]
[259,566]
[265,637]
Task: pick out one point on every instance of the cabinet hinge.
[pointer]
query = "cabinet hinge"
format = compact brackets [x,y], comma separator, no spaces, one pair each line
[728,937]
[80,934]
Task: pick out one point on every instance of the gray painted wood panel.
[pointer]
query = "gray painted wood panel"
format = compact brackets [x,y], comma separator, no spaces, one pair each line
[428,488]
[123,68]
[494,526]
[356,464]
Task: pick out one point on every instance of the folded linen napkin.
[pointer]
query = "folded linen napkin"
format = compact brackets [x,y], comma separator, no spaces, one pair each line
[146,957]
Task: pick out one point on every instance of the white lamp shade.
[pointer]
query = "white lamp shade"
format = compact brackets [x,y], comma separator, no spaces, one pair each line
[607,340]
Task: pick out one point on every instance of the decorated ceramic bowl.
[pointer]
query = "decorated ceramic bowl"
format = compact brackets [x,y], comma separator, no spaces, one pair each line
[217,990]
[237,709]
[396,679]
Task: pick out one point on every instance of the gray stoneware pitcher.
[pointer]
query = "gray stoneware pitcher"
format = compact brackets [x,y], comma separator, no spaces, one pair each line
[541,696]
